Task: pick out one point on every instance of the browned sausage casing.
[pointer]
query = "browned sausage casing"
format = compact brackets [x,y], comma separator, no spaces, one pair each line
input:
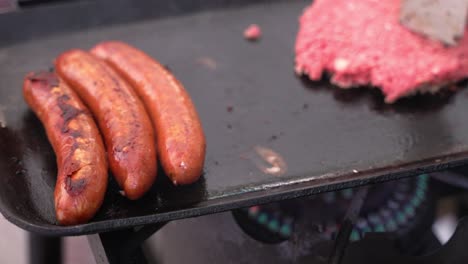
[179,134]
[121,117]
[75,138]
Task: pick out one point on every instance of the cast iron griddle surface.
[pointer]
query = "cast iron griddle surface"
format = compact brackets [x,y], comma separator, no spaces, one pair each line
[327,137]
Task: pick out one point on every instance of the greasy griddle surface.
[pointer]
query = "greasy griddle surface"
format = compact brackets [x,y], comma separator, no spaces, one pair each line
[247,95]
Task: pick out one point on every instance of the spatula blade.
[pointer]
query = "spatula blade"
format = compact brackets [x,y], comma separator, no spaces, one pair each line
[442,20]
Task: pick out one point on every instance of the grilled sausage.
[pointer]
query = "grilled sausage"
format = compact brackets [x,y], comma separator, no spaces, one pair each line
[75,138]
[179,134]
[121,117]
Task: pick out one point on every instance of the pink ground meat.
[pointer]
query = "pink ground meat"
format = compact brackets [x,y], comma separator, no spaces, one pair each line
[252,32]
[360,42]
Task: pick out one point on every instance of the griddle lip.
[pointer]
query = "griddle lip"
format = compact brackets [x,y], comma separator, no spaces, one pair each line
[288,191]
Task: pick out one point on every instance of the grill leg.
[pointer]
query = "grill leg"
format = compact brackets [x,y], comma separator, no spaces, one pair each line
[44,249]
[350,219]
[122,246]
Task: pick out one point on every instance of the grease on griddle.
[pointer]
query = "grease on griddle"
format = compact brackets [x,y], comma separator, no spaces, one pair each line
[268,161]
[208,63]
[274,137]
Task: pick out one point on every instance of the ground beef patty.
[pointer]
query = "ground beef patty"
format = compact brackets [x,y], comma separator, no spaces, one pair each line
[360,42]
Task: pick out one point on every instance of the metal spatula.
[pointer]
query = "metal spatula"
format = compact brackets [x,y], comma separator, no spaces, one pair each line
[442,20]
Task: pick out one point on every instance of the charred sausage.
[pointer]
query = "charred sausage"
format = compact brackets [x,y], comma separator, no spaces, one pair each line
[179,134]
[75,138]
[120,115]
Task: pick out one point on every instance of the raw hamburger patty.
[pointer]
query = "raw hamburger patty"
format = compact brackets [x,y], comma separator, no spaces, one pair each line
[360,42]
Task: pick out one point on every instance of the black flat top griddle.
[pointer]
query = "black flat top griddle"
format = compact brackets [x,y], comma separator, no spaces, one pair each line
[247,96]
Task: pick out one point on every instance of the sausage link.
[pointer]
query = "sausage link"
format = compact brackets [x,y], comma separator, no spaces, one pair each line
[121,117]
[75,138]
[179,134]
